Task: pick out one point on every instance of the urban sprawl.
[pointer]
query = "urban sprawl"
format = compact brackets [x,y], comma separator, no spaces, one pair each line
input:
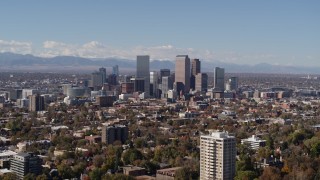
[159,125]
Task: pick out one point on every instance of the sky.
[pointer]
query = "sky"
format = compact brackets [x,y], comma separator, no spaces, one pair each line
[285,32]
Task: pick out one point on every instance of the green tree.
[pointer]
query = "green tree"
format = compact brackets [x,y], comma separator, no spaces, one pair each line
[157,155]
[151,167]
[139,143]
[298,136]
[98,160]
[65,171]
[79,168]
[270,142]
[264,152]
[63,142]
[29,176]
[245,164]
[116,177]
[14,125]
[96,174]
[113,157]
[42,177]
[315,149]
[271,173]
[10,176]
[131,155]
[246,175]
[183,174]
[313,146]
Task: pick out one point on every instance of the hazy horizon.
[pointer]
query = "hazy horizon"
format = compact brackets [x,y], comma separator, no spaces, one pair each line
[240,32]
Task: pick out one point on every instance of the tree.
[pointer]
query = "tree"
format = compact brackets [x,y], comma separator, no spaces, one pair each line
[244,164]
[298,136]
[65,171]
[117,177]
[139,143]
[315,149]
[161,141]
[63,142]
[264,152]
[157,154]
[14,125]
[313,146]
[29,176]
[244,150]
[79,168]
[271,173]
[246,175]
[151,167]
[10,176]
[170,152]
[270,142]
[131,155]
[98,160]
[183,174]
[42,177]
[113,157]
[96,174]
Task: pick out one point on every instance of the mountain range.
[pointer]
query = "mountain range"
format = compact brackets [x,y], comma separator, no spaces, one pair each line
[19,62]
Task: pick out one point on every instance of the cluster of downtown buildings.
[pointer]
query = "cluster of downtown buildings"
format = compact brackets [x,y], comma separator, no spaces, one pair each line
[187,79]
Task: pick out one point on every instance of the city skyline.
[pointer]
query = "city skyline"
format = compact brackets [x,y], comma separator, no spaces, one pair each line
[175,133]
[246,32]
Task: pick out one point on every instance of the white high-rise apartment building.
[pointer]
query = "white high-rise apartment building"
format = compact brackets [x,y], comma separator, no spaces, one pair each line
[143,71]
[217,156]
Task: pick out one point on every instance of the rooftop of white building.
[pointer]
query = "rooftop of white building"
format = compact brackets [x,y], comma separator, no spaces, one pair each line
[254,138]
[218,134]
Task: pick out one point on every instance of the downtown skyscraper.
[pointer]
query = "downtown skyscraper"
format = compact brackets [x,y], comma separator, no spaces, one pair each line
[219,79]
[115,70]
[232,83]
[154,84]
[143,71]
[195,69]
[36,103]
[182,74]
[201,82]
[103,72]
[195,66]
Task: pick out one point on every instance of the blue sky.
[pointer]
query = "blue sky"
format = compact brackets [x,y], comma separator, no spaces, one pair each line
[250,31]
